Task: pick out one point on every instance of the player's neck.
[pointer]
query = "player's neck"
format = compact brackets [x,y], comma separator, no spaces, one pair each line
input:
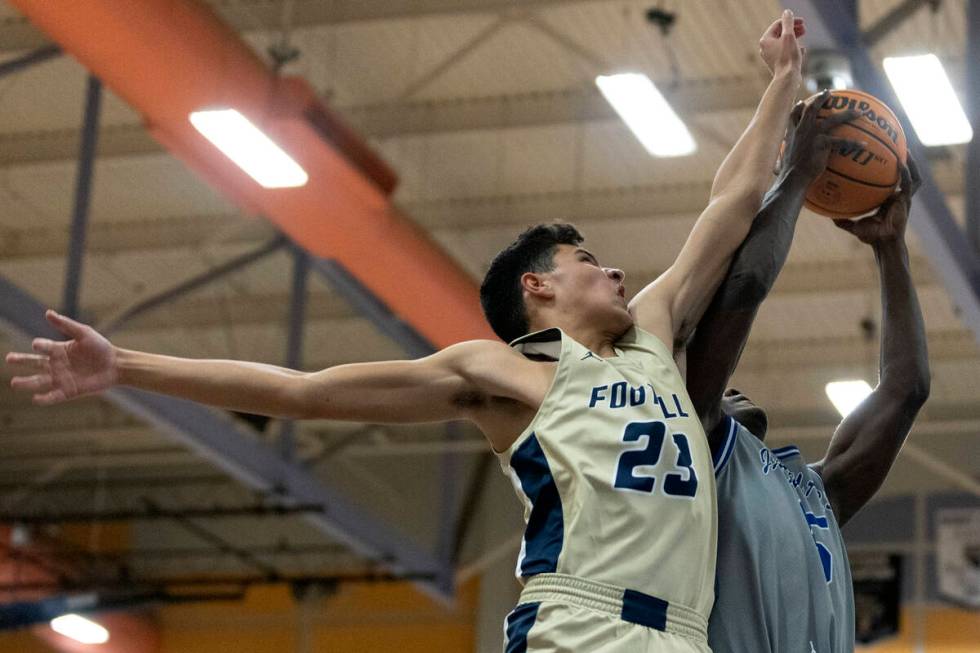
[598,342]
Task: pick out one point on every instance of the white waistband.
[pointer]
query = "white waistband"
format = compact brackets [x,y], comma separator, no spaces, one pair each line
[623,603]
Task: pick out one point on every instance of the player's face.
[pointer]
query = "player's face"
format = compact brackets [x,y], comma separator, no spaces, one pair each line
[742,410]
[583,287]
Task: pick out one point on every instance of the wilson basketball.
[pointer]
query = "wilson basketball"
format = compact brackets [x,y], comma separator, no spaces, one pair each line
[859,179]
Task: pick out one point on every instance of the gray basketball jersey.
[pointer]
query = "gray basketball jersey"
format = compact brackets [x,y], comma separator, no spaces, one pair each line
[783,581]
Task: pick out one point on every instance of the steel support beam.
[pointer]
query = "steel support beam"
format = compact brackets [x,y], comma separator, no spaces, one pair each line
[294,342]
[115,323]
[352,290]
[220,543]
[83,193]
[418,117]
[834,24]
[972,172]
[449,508]
[40,55]
[219,439]
[153,513]
[890,21]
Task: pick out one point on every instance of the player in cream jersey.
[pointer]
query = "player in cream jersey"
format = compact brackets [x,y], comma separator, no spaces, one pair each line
[642,448]
[615,475]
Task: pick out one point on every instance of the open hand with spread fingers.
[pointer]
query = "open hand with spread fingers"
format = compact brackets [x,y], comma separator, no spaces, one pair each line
[59,371]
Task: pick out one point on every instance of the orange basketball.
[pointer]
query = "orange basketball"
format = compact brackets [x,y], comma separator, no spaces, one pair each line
[858,180]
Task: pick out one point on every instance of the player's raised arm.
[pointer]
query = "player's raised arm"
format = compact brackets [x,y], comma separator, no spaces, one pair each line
[713,352]
[866,443]
[671,306]
[440,387]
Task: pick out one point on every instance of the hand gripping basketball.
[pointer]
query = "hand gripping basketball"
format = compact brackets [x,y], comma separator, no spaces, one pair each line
[810,142]
[61,371]
[890,220]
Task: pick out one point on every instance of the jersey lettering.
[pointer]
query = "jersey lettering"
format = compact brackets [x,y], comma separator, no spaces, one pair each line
[826,558]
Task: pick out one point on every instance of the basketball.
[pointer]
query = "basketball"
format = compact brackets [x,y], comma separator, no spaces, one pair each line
[859,179]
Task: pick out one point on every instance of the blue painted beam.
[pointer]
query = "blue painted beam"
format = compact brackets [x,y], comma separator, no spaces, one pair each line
[83,194]
[37,56]
[972,172]
[294,341]
[170,294]
[365,302]
[833,24]
[219,439]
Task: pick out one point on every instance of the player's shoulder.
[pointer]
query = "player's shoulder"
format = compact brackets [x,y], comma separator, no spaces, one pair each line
[476,352]
[499,369]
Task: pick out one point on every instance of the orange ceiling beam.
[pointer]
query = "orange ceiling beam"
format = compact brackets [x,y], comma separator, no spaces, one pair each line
[167,58]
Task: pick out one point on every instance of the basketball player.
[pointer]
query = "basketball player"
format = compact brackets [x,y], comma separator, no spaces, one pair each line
[783,581]
[587,411]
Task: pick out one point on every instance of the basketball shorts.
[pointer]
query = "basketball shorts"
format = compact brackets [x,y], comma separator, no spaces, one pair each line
[566,614]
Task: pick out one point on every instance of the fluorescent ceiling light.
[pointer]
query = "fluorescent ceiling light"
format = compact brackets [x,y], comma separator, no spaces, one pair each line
[646,112]
[929,100]
[846,395]
[249,148]
[80,629]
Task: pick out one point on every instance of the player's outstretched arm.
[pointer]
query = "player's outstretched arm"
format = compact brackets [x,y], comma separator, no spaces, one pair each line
[443,386]
[866,443]
[714,351]
[671,306]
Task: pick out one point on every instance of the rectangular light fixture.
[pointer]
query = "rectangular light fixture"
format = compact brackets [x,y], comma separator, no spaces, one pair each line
[929,99]
[645,111]
[250,149]
[80,629]
[846,395]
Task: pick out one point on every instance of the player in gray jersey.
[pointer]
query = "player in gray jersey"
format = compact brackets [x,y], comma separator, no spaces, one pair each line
[783,581]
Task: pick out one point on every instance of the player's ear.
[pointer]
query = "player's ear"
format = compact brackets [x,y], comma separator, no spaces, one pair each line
[537,285]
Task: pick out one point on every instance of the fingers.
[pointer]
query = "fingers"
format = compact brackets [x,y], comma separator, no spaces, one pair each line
[36,383]
[50,398]
[30,361]
[66,325]
[774,30]
[799,27]
[787,30]
[813,108]
[905,180]
[914,172]
[796,113]
[839,118]
[43,346]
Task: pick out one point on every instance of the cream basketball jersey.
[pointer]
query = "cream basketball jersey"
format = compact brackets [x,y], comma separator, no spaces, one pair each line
[615,473]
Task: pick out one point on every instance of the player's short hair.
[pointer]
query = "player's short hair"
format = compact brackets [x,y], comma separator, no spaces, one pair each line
[501,294]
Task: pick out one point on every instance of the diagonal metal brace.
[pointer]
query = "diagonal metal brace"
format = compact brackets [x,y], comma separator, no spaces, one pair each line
[219,439]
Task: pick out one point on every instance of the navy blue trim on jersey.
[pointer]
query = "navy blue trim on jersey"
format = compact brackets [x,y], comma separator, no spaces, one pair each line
[720,457]
[786,452]
[547,335]
[645,610]
[545,532]
[518,625]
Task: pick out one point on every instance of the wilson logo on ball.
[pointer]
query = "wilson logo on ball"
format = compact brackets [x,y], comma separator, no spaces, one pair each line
[842,103]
